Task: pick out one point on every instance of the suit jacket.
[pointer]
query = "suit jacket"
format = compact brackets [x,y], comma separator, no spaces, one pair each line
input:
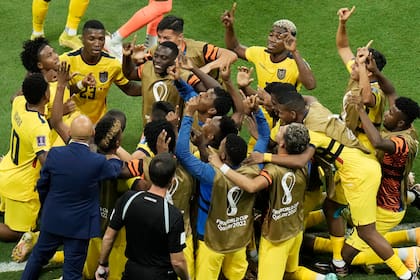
[69,190]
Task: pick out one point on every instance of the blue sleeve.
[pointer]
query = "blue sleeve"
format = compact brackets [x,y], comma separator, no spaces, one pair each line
[110,169]
[263,133]
[198,169]
[43,183]
[185,90]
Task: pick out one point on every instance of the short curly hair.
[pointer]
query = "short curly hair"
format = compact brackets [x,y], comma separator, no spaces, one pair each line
[409,108]
[296,138]
[30,54]
[236,148]
[34,87]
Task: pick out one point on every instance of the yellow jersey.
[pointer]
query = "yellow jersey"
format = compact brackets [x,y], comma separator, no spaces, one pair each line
[92,100]
[285,71]
[19,169]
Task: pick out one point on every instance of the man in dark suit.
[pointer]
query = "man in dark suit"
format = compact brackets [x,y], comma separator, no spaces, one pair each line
[69,194]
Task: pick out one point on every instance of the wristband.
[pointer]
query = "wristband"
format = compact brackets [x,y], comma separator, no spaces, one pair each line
[268,157]
[104,264]
[224,168]
[80,85]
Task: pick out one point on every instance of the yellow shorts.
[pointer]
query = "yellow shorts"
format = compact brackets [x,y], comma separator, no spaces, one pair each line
[209,263]
[363,139]
[20,215]
[117,258]
[275,259]
[312,200]
[189,256]
[385,221]
[359,179]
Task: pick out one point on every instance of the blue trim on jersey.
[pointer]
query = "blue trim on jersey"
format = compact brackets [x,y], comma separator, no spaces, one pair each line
[75,53]
[41,118]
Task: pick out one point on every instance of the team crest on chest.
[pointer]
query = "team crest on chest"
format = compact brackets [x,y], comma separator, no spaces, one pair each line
[281,73]
[103,76]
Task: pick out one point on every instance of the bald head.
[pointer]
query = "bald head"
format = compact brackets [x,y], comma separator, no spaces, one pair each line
[81,128]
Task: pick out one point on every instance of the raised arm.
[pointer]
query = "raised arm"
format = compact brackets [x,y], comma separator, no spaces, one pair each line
[231,41]
[341,39]
[371,131]
[128,67]
[193,165]
[238,105]
[56,120]
[306,77]
[385,84]
[368,98]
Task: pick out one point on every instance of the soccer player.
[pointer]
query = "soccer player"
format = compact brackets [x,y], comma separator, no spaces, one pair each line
[224,224]
[283,225]
[39,57]
[96,71]
[68,38]
[151,15]
[331,139]
[362,81]
[280,61]
[19,169]
[208,57]
[156,83]
[215,101]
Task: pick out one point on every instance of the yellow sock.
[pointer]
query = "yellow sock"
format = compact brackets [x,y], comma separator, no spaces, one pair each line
[77,9]
[314,218]
[58,257]
[397,237]
[368,257]
[323,245]
[39,12]
[337,244]
[35,236]
[396,265]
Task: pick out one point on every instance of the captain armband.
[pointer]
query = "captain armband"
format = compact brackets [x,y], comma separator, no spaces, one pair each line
[267,176]
[268,157]
[135,167]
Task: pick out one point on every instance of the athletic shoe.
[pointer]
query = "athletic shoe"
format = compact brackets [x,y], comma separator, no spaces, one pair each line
[327,268]
[416,193]
[413,276]
[34,36]
[113,47]
[331,276]
[72,42]
[369,269]
[22,249]
[412,260]
[150,41]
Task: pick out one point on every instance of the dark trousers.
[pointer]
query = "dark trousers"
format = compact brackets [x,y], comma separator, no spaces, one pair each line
[135,271]
[75,251]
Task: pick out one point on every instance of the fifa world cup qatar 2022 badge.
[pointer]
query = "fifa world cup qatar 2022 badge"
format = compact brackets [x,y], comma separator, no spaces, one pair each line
[281,73]
[103,76]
